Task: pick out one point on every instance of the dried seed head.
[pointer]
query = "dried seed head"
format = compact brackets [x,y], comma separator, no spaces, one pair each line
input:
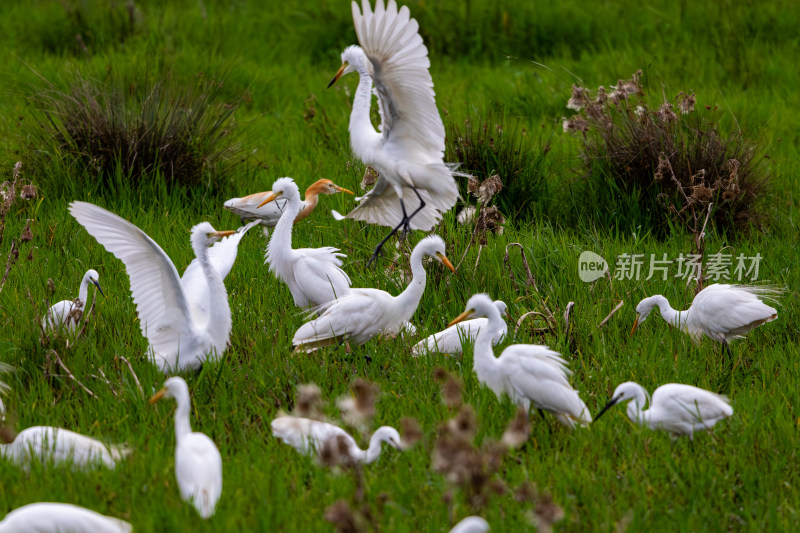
[579,98]
[574,124]
[547,512]
[410,432]
[358,409]
[452,389]
[370,177]
[309,401]
[518,431]
[490,220]
[472,185]
[601,95]
[701,193]
[666,114]
[343,519]
[663,166]
[490,187]
[526,492]
[28,192]
[686,103]
[465,424]
[26,235]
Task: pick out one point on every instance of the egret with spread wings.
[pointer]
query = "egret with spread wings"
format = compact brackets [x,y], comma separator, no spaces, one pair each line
[415,186]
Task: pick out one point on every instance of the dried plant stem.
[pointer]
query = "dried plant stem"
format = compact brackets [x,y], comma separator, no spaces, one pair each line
[613,311]
[135,377]
[58,360]
[549,327]
[13,256]
[530,281]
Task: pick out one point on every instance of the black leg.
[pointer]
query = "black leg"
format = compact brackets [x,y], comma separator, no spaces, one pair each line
[417,210]
[404,223]
[380,244]
[727,347]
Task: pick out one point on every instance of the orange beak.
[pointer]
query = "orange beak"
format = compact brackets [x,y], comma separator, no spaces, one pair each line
[338,75]
[270,198]
[446,262]
[157,396]
[222,234]
[635,324]
[460,318]
[342,189]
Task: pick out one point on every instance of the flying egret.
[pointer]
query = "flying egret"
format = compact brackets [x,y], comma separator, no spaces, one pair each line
[365,313]
[310,436]
[314,275]
[471,524]
[414,186]
[450,340]
[61,446]
[720,312]
[198,464]
[178,337]
[252,208]
[529,373]
[61,314]
[45,517]
[675,408]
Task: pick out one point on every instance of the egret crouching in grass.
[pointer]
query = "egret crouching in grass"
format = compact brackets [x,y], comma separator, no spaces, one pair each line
[180,337]
[451,339]
[365,313]
[531,375]
[61,314]
[675,408]
[314,275]
[62,447]
[198,464]
[48,517]
[720,312]
[312,436]
[252,207]
[414,186]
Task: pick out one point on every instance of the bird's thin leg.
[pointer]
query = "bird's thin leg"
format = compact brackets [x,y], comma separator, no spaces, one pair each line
[380,244]
[417,210]
[726,347]
[549,427]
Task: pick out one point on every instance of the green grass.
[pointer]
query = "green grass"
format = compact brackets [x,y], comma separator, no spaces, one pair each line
[745,476]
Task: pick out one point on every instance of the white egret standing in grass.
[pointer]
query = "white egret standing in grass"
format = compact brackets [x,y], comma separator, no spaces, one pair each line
[310,436]
[471,524]
[252,207]
[531,375]
[364,313]
[313,275]
[675,408]
[198,464]
[414,186]
[46,517]
[179,338]
[60,314]
[61,446]
[451,339]
[720,312]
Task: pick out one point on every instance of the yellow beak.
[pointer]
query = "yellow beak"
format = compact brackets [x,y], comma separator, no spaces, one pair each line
[222,234]
[460,318]
[635,323]
[157,396]
[446,262]
[342,189]
[270,198]
[338,75]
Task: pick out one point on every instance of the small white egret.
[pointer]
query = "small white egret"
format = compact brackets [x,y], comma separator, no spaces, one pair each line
[178,339]
[675,408]
[252,207]
[720,312]
[310,436]
[471,524]
[198,464]
[365,313]
[451,339]
[529,373]
[313,275]
[60,314]
[414,186]
[46,517]
[61,446]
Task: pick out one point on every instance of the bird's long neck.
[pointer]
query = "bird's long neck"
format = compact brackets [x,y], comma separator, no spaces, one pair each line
[182,425]
[219,319]
[484,361]
[670,315]
[83,293]
[374,451]
[363,137]
[310,203]
[408,300]
[279,249]
[635,409]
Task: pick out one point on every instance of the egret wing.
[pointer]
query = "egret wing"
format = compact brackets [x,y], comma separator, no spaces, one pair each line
[358,316]
[692,403]
[157,291]
[319,275]
[730,309]
[198,468]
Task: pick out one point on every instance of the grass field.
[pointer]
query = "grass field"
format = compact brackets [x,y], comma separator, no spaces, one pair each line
[510,61]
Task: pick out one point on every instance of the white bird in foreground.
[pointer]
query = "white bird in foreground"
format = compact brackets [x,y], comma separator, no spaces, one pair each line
[365,313]
[252,207]
[179,337]
[529,373]
[45,517]
[675,408]
[720,312]
[198,464]
[61,446]
[60,315]
[311,436]
[451,339]
[471,524]
[414,186]
[313,275]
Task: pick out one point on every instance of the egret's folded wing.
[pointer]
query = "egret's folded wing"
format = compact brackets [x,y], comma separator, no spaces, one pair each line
[198,467]
[318,272]
[694,403]
[404,87]
[157,292]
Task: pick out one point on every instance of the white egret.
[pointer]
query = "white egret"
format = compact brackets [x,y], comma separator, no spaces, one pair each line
[252,207]
[46,517]
[314,275]
[450,340]
[675,408]
[414,186]
[365,313]
[61,446]
[178,339]
[198,464]
[310,436]
[61,315]
[720,312]
[471,524]
[529,374]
